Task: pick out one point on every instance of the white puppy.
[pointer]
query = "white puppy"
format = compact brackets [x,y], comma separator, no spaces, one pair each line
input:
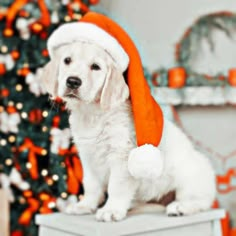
[101,121]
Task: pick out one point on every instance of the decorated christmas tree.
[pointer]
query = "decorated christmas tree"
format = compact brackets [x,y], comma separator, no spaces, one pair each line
[39,166]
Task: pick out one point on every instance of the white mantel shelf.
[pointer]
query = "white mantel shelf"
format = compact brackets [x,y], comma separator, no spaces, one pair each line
[196,95]
[202,224]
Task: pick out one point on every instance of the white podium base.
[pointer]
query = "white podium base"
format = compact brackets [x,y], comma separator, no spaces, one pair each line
[204,224]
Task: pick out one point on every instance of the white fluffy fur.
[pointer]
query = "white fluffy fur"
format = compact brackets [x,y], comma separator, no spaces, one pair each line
[102,127]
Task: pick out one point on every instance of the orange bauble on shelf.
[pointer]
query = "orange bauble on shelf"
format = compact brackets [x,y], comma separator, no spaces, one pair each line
[232,77]
[177,77]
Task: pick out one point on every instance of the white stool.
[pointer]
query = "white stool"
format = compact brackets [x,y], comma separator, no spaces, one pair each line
[202,224]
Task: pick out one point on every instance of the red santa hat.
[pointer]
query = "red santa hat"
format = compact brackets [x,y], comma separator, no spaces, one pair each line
[146,160]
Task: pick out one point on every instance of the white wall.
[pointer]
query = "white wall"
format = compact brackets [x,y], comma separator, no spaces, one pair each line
[156,25]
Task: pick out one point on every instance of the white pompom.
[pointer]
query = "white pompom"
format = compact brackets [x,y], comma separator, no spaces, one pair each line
[145,162]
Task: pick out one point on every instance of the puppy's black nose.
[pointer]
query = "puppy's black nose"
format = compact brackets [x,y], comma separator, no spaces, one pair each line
[73,82]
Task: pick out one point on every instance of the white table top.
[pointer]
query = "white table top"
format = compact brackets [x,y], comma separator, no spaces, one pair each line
[87,225]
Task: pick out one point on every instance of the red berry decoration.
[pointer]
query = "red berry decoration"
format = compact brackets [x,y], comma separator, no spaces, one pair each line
[43,35]
[35,116]
[2,69]
[23,71]
[15,54]
[4,93]
[45,53]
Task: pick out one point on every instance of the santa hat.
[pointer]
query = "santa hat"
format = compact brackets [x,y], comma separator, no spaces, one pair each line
[146,160]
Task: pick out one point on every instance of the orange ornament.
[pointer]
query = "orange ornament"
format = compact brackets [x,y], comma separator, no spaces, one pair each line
[23,71]
[58,100]
[27,193]
[232,77]
[11,109]
[8,32]
[2,69]
[56,120]
[15,54]
[44,196]
[177,77]
[4,93]
[36,27]
[45,52]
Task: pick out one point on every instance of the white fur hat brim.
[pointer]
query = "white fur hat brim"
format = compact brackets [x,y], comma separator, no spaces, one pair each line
[90,33]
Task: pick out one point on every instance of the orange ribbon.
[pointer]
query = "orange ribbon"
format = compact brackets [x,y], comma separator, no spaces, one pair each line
[45,15]
[40,204]
[18,4]
[32,158]
[74,169]
[27,214]
[46,199]
[225,181]
[12,11]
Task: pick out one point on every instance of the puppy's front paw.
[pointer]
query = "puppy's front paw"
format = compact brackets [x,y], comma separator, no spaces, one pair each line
[108,215]
[79,208]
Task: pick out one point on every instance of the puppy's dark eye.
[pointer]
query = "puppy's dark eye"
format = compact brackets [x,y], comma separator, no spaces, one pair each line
[95,66]
[67,60]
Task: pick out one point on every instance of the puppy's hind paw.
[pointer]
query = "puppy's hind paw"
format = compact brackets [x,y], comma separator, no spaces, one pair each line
[108,215]
[174,209]
[180,208]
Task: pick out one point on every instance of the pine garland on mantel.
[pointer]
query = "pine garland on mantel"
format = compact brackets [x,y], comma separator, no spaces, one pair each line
[201,28]
[160,78]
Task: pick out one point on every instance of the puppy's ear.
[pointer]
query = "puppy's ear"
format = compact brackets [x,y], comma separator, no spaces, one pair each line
[49,77]
[115,90]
